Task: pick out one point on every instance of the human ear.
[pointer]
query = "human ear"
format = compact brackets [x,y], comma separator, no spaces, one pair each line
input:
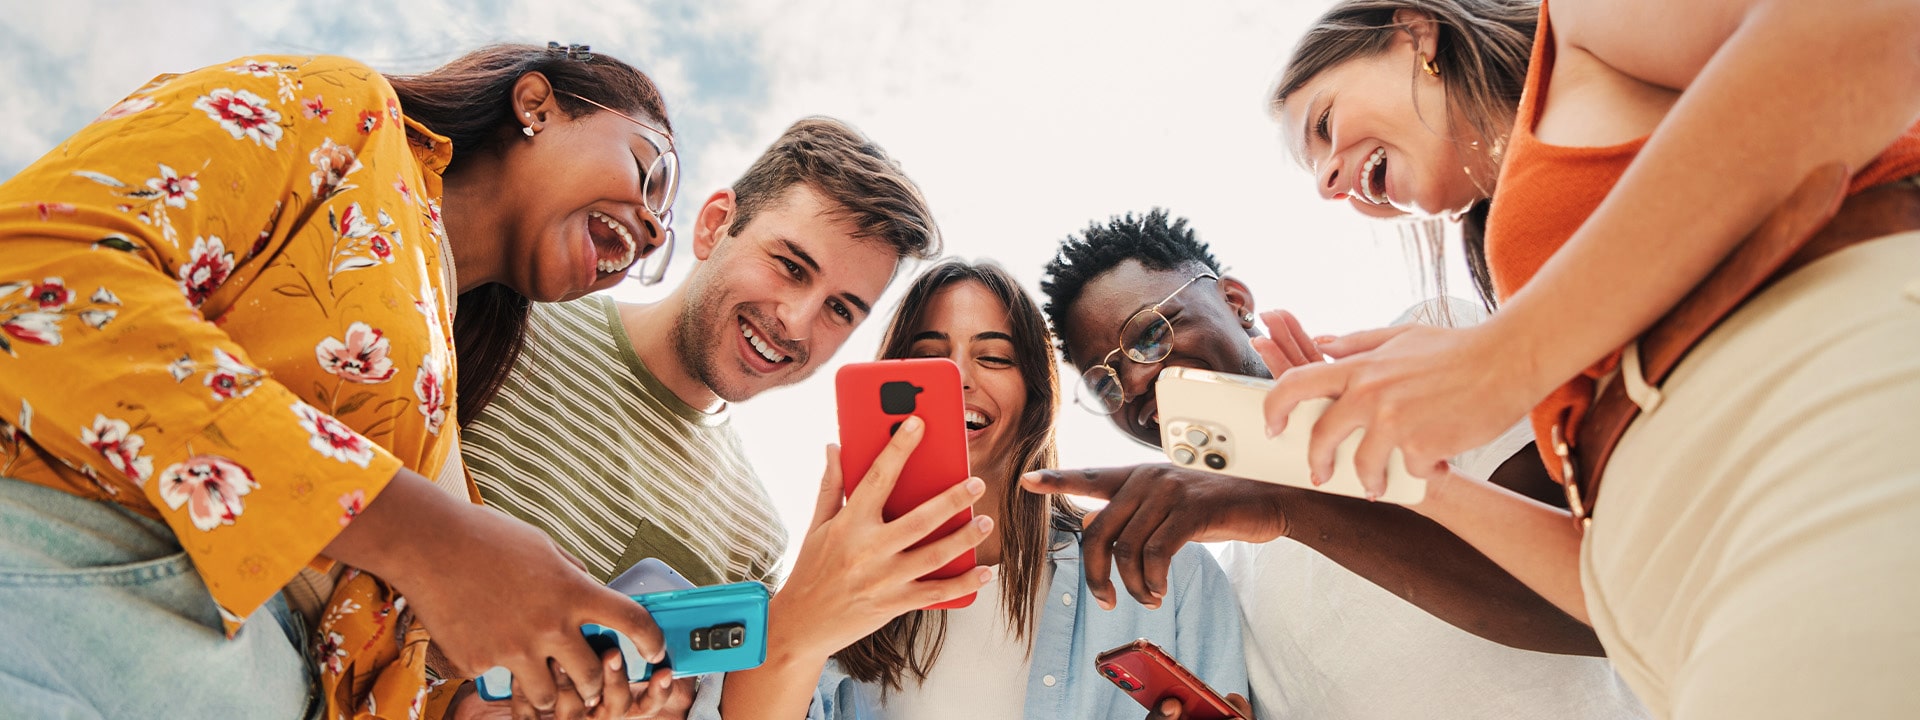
[1240,299]
[712,224]
[533,101]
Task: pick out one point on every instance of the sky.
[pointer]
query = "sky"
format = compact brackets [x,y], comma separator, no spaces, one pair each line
[1022,121]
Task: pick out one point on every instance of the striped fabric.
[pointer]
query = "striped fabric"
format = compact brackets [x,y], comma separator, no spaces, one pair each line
[584,443]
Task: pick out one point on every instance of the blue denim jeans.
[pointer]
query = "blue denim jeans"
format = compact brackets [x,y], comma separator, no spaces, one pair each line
[103,616]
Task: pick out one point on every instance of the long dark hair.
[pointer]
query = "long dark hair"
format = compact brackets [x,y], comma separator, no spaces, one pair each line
[470,101]
[909,644]
[1482,50]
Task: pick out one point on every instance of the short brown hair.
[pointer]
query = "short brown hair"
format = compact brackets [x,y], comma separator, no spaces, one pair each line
[837,161]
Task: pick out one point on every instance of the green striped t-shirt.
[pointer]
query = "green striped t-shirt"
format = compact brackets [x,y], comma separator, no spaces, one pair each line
[585,443]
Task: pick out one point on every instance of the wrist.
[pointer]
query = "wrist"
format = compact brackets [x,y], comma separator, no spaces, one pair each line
[789,642]
[1525,357]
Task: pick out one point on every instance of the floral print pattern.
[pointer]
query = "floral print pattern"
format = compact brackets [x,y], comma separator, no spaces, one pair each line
[167,275]
[433,399]
[207,269]
[115,440]
[332,164]
[210,486]
[243,115]
[33,312]
[231,378]
[361,358]
[333,438]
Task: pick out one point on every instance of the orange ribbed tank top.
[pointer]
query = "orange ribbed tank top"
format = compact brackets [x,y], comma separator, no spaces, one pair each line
[1546,191]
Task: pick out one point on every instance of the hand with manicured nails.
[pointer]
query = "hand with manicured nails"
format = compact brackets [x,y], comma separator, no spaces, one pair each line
[855,571]
[1431,393]
[1152,511]
[452,576]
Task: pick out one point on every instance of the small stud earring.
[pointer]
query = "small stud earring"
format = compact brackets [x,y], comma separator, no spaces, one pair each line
[528,113]
[528,130]
[1246,317]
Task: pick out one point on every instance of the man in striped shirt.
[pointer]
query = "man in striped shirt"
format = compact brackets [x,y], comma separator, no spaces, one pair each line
[611,431]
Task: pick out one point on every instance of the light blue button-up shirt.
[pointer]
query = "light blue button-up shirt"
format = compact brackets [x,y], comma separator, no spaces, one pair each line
[1198,624]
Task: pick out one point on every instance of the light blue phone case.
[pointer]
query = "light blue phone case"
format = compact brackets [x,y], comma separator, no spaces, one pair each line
[719,628]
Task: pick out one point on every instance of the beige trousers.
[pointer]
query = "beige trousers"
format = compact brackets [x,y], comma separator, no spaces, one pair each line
[1755,552]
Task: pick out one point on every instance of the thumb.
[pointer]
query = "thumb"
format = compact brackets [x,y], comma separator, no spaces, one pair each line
[831,496]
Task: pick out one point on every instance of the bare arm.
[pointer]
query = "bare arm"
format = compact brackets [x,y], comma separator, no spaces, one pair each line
[1155,509]
[1807,81]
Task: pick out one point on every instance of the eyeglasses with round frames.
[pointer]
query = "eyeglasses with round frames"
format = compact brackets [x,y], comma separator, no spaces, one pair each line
[657,187]
[1147,338]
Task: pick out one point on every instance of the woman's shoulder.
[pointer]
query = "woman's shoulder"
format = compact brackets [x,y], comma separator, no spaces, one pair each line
[306,85]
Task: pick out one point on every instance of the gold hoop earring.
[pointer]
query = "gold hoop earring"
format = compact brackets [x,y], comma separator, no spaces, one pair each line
[1426,63]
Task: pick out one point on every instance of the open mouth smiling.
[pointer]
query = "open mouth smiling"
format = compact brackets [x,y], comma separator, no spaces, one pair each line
[613,243]
[760,348]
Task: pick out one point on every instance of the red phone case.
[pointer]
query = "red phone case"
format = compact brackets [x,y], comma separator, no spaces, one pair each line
[940,462]
[1149,675]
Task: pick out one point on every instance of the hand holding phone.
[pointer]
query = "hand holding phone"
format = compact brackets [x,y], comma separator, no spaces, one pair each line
[1216,422]
[1149,675]
[719,628]
[873,399]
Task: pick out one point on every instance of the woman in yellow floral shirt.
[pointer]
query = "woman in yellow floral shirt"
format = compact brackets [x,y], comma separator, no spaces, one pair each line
[225,361]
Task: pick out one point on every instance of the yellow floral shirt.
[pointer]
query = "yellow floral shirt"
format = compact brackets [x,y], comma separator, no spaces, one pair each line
[222,306]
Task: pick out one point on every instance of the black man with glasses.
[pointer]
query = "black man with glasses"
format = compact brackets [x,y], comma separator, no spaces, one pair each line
[1326,635]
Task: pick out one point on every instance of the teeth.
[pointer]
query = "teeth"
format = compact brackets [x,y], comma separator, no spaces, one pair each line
[760,346]
[976,420]
[619,230]
[1366,177]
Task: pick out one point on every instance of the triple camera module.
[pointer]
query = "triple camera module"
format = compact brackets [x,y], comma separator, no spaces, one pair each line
[1194,442]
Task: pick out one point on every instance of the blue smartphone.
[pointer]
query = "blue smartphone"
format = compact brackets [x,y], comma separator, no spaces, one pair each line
[719,628]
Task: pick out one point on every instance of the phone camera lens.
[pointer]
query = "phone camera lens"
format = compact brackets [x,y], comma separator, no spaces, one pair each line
[1183,455]
[1197,436]
[1216,461]
[1107,671]
[897,397]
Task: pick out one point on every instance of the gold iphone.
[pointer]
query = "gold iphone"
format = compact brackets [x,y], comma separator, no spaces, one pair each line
[1215,422]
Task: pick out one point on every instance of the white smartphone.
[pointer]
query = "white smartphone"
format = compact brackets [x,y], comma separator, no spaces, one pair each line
[1215,422]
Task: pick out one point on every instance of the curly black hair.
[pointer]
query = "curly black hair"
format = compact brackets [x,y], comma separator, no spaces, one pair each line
[1155,240]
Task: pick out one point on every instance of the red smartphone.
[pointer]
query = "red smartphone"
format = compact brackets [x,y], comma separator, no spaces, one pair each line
[1150,675]
[874,398]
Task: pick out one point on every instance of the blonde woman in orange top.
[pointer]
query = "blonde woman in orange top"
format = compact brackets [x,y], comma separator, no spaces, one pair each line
[1748,555]
[226,360]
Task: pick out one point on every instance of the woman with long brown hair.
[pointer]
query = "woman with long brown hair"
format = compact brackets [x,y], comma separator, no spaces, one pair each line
[227,377]
[1025,647]
[1703,241]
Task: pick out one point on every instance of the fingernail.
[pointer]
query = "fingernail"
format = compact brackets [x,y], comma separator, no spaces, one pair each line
[985,574]
[1324,339]
[1316,479]
[1105,604]
[911,423]
[1372,496]
[983,523]
[1272,430]
[976,486]
[593,702]
[619,661]
[1158,594]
